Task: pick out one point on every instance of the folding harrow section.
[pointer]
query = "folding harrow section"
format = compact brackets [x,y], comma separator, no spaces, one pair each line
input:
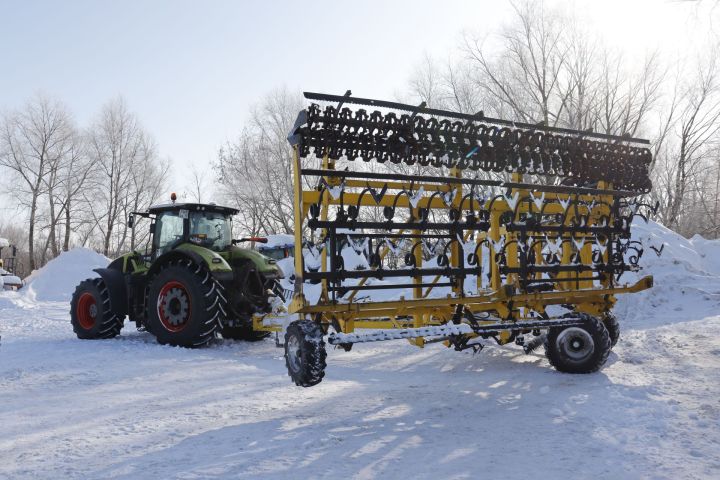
[438,138]
[451,254]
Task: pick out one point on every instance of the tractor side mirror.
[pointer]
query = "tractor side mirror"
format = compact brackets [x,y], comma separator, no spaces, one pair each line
[131,221]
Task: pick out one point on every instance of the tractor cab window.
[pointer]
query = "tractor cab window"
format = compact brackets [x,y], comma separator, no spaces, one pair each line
[211,230]
[168,230]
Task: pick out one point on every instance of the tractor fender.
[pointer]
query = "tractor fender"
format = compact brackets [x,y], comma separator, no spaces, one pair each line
[115,282]
[175,255]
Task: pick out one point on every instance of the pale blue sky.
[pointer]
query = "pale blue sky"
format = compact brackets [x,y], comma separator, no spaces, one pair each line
[191,69]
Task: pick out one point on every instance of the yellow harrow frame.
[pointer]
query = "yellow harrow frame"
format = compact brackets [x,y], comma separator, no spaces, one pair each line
[465,257]
[501,296]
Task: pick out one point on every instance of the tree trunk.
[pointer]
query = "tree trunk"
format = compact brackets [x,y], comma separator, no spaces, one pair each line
[31,231]
[52,236]
[66,242]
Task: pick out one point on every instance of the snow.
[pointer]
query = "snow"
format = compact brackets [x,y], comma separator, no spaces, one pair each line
[9,281]
[278,240]
[56,281]
[130,408]
[4,243]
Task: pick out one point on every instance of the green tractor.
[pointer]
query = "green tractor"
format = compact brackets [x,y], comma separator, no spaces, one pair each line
[194,282]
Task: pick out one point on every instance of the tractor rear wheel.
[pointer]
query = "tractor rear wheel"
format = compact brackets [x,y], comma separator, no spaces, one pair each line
[243,333]
[91,312]
[305,353]
[185,306]
[578,349]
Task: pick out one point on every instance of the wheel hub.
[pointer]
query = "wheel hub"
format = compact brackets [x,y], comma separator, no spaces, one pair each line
[174,306]
[87,310]
[575,343]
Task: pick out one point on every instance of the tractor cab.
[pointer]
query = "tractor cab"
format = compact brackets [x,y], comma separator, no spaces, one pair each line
[205,225]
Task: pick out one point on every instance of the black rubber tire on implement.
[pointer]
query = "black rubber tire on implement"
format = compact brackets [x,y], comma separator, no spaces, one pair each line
[185,305]
[581,349]
[305,353]
[243,333]
[613,328]
[91,313]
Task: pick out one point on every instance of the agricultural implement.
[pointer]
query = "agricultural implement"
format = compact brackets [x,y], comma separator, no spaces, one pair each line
[481,228]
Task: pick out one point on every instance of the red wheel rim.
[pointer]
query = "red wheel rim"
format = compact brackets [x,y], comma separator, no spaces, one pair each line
[173,306]
[86,310]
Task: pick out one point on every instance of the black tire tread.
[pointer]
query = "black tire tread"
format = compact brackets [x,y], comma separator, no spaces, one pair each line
[600,335]
[110,324]
[214,304]
[613,328]
[314,355]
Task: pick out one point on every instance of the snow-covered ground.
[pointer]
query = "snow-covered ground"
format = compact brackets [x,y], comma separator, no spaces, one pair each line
[130,408]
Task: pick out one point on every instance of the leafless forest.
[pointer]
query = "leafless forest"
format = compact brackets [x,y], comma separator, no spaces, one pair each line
[76,184]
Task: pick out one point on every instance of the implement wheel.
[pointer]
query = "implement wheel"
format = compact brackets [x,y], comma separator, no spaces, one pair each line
[613,328]
[91,313]
[578,349]
[305,353]
[184,306]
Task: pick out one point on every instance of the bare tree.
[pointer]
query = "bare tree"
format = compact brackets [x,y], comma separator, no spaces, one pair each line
[697,128]
[34,141]
[524,75]
[200,186]
[120,148]
[255,171]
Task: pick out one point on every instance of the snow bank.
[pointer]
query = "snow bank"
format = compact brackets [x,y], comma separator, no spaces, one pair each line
[696,255]
[56,281]
[279,240]
[686,279]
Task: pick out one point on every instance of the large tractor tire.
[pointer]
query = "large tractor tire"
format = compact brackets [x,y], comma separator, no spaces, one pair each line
[305,353]
[613,328]
[185,306]
[578,349]
[243,333]
[91,312]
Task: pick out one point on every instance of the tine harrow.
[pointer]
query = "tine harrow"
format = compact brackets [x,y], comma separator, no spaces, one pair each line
[451,140]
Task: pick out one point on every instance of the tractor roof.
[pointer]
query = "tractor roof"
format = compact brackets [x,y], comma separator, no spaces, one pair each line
[193,207]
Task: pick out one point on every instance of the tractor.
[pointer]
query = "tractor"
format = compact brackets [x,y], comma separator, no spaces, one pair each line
[192,283]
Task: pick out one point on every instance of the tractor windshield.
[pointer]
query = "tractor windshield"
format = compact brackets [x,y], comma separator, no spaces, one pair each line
[211,230]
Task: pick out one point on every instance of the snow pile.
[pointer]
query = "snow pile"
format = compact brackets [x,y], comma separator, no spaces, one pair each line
[56,281]
[279,240]
[697,255]
[4,243]
[686,278]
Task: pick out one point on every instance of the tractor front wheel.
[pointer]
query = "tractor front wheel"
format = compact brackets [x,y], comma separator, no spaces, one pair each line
[305,353]
[91,312]
[184,306]
[578,349]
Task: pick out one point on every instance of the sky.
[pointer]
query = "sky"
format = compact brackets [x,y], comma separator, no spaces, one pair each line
[191,70]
